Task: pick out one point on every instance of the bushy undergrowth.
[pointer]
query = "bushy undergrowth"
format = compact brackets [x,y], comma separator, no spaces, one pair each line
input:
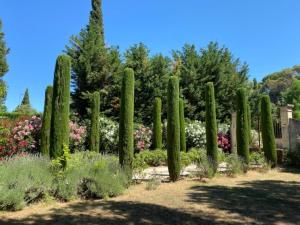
[24,180]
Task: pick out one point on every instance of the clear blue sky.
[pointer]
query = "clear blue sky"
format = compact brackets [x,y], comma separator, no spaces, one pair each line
[264,33]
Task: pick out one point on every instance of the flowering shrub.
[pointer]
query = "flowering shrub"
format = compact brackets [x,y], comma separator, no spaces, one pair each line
[24,137]
[142,138]
[224,141]
[195,134]
[254,140]
[77,136]
[109,135]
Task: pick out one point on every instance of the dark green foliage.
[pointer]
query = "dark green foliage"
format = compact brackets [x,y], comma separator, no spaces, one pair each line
[126,141]
[157,129]
[173,129]
[60,107]
[242,127]
[267,131]
[46,124]
[94,66]
[25,100]
[211,64]
[151,78]
[3,53]
[292,96]
[94,137]
[182,126]
[249,120]
[211,124]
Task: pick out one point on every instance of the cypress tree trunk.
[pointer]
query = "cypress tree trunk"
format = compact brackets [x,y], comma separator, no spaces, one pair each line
[126,141]
[249,120]
[211,125]
[173,129]
[157,131]
[94,137]
[267,130]
[182,126]
[60,107]
[242,127]
[46,123]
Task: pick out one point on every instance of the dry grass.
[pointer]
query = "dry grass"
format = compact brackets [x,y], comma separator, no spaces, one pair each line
[256,198]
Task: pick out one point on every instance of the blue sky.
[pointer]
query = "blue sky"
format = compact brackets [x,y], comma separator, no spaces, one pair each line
[264,33]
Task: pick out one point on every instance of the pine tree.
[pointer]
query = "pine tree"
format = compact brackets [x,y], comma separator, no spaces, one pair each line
[26,100]
[267,131]
[157,130]
[126,142]
[182,126]
[3,70]
[46,124]
[173,129]
[94,138]
[211,124]
[59,136]
[94,66]
[242,127]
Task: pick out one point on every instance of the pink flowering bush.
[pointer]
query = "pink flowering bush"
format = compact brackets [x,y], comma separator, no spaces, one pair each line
[224,141]
[142,138]
[77,136]
[24,137]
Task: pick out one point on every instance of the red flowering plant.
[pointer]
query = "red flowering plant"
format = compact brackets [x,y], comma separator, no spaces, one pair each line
[23,137]
[77,136]
[142,138]
[224,141]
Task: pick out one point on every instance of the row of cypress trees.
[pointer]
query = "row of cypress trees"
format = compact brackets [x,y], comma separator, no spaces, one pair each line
[55,122]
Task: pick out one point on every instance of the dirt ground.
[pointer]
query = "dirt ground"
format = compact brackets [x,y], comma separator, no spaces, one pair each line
[255,198]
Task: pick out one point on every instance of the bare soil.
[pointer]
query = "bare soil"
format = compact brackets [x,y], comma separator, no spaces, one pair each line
[255,198]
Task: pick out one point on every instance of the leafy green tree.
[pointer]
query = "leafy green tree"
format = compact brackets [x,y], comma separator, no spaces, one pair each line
[46,122]
[210,64]
[292,96]
[173,129]
[211,125]
[3,69]
[157,129]
[59,136]
[126,141]
[94,66]
[26,100]
[94,137]
[267,129]
[242,127]
[151,76]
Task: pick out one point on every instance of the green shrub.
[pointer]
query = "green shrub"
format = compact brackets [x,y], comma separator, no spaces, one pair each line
[173,129]
[235,165]
[60,106]
[153,184]
[267,131]
[95,125]
[182,126]
[257,158]
[242,127]
[23,180]
[126,141]
[46,124]
[211,124]
[157,130]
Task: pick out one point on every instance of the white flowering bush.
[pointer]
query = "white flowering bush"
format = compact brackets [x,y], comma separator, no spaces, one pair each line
[109,131]
[195,134]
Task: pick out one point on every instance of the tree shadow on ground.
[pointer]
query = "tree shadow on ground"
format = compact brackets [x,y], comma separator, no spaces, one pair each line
[116,213]
[266,202]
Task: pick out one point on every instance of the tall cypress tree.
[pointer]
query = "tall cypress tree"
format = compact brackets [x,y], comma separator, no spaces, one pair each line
[126,142]
[182,126]
[59,135]
[157,130]
[94,138]
[267,131]
[242,127]
[46,123]
[211,124]
[3,69]
[173,129]
[94,66]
